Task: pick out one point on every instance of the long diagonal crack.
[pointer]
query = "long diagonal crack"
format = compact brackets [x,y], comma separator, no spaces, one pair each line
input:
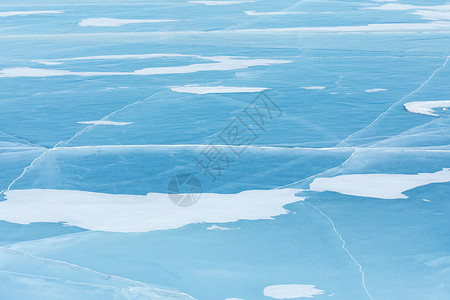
[351,156]
[399,101]
[78,133]
[23,141]
[87,271]
[363,275]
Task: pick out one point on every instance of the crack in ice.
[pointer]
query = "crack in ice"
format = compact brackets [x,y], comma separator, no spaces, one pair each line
[22,139]
[399,101]
[119,279]
[323,172]
[345,248]
[78,133]
[331,221]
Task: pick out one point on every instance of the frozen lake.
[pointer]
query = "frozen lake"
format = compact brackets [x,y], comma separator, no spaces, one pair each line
[225,150]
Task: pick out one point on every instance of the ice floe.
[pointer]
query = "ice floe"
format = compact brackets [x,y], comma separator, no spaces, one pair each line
[112,22]
[384,186]
[216,89]
[139,213]
[30,12]
[292,291]
[104,122]
[426,107]
[218,63]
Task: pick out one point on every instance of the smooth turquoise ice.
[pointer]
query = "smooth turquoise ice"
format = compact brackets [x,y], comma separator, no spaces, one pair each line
[350,247]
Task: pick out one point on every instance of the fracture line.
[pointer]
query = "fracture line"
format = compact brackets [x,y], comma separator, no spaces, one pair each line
[78,133]
[25,171]
[22,139]
[410,94]
[331,221]
[103,119]
[345,248]
[130,282]
[321,173]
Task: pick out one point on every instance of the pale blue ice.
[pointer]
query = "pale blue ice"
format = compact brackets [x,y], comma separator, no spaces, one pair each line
[352,121]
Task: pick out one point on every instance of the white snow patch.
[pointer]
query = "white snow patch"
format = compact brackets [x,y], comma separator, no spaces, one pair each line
[428,12]
[272,13]
[219,63]
[433,15]
[117,57]
[115,88]
[426,107]
[292,291]
[111,22]
[103,122]
[383,186]
[215,227]
[375,90]
[313,87]
[30,12]
[200,90]
[399,6]
[137,213]
[46,62]
[382,27]
[32,72]
[218,2]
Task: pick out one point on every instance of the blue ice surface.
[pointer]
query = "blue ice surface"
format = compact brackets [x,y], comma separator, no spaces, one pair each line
[396,242]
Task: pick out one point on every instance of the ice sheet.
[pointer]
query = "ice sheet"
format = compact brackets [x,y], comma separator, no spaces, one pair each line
[340,184]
